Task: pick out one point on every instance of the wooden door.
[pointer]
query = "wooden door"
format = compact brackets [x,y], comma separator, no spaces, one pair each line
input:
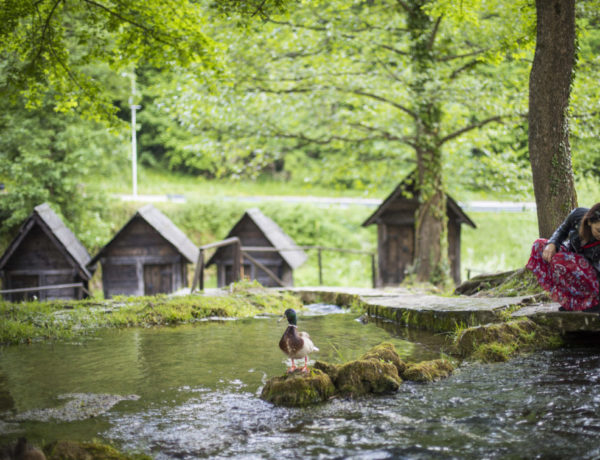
[396,253]
[158,279]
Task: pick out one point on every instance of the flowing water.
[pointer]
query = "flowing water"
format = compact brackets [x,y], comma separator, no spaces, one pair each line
[192,392]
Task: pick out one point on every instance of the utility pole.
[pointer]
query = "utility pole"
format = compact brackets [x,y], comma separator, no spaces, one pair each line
[133,135]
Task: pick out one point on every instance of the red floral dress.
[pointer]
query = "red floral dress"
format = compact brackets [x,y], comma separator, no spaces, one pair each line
[569,278]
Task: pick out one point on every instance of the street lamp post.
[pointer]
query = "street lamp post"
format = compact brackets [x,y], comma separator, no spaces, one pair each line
[133,136]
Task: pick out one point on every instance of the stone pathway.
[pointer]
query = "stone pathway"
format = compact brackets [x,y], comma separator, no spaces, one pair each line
[445,314]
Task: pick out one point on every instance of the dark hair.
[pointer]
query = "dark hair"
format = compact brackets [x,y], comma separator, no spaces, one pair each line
[590,217]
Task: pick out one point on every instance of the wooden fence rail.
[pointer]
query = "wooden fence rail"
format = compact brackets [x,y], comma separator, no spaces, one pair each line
[241,252]
[47,288]
[238,266]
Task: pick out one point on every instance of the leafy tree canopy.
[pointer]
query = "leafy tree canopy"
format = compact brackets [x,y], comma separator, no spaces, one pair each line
[323,92]
[52,43]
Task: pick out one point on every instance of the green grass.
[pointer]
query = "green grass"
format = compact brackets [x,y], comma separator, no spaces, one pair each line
[162,182]
[28,322]
[502,241]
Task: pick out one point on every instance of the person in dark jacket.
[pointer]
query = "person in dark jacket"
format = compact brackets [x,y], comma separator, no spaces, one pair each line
[568,264]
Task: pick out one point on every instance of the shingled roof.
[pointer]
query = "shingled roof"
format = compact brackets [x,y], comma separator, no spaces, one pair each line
[293,255]
[404,191]
[166,228]
[59,233]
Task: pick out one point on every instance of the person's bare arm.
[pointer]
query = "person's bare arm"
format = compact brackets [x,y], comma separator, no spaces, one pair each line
[549,252]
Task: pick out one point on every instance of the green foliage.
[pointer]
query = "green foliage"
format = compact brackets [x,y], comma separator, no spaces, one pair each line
[50,44]
[320,94]
[50,157]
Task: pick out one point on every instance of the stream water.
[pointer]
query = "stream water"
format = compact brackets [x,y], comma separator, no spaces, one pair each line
[192,392]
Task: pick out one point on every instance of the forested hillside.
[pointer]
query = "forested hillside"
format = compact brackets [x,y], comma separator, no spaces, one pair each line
[329,97]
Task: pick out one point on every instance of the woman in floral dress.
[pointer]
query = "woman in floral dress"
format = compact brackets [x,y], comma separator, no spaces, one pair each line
[567,265]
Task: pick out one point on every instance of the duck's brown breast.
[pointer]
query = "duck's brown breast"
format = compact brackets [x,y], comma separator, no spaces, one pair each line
[290,342]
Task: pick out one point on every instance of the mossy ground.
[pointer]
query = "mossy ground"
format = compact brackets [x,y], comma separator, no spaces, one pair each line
[500,341]
[520,282]
[35,321]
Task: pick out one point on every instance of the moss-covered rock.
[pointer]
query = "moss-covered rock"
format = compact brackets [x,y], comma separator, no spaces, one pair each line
[367,376]
[298,389]
[21,450]
[332,370]
[72,450]
[386,352]
[500,341]
[428,371]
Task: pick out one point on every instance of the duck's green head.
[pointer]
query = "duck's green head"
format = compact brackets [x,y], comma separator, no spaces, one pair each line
[290,314]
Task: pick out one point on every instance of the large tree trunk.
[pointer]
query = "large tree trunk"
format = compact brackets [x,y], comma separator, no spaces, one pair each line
[549,91]
[431,232]
[431,235]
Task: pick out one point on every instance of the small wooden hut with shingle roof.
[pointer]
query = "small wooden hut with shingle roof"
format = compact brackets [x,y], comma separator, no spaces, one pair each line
[395,219]
[254,230]
[148,256]
[45,253]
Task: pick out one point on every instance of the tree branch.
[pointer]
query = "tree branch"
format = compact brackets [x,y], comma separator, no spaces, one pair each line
[434,32]
[460,56]
[259,8]
[471,127]
[44,30]
[467,66]
[404,5]
[386,135]
[387,70]
[143,27]
[358,92]
[381,99]
[322,141]
[395,50]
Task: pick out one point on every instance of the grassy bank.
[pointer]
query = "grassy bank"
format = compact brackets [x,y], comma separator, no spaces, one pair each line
[35,321]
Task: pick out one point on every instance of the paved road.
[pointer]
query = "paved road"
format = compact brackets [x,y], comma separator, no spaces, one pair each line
[469,206]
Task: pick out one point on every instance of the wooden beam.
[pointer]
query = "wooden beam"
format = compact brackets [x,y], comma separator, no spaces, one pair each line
[47,288]
[265,269]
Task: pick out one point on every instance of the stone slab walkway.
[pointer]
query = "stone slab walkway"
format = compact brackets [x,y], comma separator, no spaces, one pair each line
[445,314]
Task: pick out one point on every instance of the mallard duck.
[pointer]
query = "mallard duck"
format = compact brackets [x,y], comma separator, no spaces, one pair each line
[296,345]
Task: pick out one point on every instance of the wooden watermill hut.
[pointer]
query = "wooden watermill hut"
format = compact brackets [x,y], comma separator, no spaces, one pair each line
[45,261]
[395,220]
[281,256]
[148,256]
